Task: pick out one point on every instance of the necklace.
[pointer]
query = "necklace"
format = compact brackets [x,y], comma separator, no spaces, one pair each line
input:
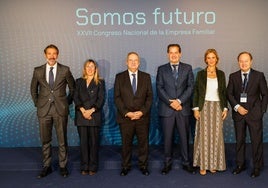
[211,71]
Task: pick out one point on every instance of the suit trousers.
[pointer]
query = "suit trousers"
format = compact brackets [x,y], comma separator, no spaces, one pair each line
[181,122]
[89,144]
[46,124]
[256,137]
[141,130]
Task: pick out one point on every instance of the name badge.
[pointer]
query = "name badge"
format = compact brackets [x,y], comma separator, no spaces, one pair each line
[243,98]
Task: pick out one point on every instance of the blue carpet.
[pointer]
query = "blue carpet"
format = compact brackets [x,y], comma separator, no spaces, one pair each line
[20,166]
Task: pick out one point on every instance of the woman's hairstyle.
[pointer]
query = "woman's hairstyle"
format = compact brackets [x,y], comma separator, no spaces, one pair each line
[211,51]
[96,76]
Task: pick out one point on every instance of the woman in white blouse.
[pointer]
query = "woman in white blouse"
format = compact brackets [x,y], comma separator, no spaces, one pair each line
[210,109]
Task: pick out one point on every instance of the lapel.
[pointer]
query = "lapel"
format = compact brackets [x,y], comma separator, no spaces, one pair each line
[168,74]
[43,76]
[128,85]
[181,74]
[57,75]
[250,80]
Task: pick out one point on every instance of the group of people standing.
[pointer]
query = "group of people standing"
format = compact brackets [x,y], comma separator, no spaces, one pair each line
[179,95]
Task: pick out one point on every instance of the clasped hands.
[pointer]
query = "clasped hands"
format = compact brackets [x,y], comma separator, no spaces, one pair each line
[87,114]
[175,104]
[134,115]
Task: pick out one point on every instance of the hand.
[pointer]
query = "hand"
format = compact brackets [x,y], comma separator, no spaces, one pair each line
[87,114]
[175,104]
[242,111]
[197,115]
[224,114]
[134,115]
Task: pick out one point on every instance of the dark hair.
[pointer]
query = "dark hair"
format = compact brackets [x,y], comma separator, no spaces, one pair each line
[51,46]
[173,45]
[241,53]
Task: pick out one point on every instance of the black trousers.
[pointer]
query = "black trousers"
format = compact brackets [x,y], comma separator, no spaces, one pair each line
[256,137]
[128,131]
[89,147]
[46,125]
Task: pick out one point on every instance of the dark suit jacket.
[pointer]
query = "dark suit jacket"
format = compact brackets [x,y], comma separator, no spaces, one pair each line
[88,97]
[257,94]
[42,95]
[126,101]
[201,85]
[166,88]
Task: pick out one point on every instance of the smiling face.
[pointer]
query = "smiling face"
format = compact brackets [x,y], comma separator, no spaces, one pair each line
[51,55]
[174,55]
[133,62]
[90,69]
[211,59]
[244,62]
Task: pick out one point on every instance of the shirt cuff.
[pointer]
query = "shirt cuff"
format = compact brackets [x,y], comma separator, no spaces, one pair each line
[236,107]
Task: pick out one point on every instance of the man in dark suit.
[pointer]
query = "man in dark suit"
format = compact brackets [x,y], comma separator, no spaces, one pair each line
[133,98]
[175,84]
[48,90]
[248,95]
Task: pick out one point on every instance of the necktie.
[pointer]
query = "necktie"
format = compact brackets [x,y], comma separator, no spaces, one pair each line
[51,77]
[134,88]
[175,71]
[245,81]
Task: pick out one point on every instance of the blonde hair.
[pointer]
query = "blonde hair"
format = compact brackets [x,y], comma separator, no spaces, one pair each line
[211,51]
[96,76]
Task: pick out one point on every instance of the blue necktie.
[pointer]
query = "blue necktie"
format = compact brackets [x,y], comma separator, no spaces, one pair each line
[134,88]
[175,71]
[51,77]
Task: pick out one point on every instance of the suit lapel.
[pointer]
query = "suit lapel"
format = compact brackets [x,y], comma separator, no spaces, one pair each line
[57,75]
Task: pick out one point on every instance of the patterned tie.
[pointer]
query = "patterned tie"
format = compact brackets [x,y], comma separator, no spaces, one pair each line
[134,88]
[51,77]
[175,71]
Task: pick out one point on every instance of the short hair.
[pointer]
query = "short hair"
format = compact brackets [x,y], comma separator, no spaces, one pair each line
[51,46]
[245,52]
[211,50]
[173,45]
[135,53]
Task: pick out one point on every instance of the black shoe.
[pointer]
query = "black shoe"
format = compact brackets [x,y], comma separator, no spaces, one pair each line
[189,169]
[145,171]
[124,172]
[255,173]
[46,171]
[238,170]
[166,170]
[64,172]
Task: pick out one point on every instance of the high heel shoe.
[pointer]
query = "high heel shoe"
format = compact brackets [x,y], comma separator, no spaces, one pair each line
[203,172]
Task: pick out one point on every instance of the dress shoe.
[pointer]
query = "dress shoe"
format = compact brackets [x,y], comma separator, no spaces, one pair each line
[64,172]
[166,170]
[238,170]
[84,172]
[92,172]
[124,172]
[145,171]
[255,173]
[45,171]
[189,169]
